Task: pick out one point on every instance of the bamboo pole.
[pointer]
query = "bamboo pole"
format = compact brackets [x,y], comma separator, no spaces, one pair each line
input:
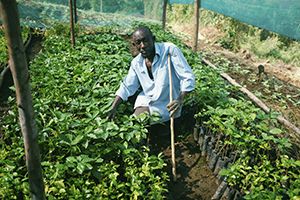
[19,70]
[72,23]
[196,27]
[257,101]
[172,121]
[164,17]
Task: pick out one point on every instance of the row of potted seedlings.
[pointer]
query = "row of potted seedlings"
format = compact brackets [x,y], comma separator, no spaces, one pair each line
[217,157]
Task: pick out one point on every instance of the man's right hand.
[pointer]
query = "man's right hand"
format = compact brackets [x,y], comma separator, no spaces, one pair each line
[111,114]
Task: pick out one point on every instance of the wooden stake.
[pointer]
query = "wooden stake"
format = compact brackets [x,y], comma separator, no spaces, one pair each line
[196,27]
[172,121]
[20,74]
[72,23]
[164,17]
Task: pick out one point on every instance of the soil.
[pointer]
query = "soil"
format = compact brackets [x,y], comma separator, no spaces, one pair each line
[207,42]
[195,180]
[277,94]
[279,85]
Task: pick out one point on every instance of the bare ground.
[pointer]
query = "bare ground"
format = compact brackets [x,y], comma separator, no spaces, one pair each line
[282,91]
[194,179]
[207,42]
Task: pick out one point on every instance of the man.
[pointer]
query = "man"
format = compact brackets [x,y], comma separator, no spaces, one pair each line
[149,71]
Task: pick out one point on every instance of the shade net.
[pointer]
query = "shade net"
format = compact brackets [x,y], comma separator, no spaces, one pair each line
[38,13]
[280,16]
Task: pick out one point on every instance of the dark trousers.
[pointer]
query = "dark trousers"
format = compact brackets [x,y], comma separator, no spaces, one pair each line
[159,136]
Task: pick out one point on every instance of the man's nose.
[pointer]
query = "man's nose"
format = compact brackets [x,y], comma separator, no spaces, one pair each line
[142,45]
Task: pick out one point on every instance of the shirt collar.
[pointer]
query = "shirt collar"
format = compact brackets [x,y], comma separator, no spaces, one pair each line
[157,53]
[157,49]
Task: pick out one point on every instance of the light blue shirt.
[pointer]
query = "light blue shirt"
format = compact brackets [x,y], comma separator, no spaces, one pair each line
[155,93]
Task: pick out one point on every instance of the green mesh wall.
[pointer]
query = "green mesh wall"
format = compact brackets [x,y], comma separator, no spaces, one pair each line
[181,1]
[38,13]
[281,16]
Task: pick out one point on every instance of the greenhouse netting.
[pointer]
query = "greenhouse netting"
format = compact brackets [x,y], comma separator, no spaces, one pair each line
[280,16]
[37,13]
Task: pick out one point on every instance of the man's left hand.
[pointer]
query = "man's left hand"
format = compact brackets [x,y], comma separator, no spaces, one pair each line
[174,106]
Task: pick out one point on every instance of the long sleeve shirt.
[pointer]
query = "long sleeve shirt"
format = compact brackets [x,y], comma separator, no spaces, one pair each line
[155,93]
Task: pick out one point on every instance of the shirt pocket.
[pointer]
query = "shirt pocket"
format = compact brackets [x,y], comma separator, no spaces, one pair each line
[162,77]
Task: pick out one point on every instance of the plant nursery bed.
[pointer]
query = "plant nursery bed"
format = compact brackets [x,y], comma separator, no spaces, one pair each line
[194,178]
[86,156]
[277,94]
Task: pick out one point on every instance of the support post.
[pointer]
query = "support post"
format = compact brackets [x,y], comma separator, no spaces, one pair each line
[72,23]
[196,27]
[19,70]
[164,17]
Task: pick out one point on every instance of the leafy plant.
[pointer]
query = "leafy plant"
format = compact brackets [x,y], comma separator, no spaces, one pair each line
[261,167]
[83,154]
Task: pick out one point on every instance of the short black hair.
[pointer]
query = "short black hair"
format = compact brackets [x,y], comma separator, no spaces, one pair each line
[144,29]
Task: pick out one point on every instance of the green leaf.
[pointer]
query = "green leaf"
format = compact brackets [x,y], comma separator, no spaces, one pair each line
[71,159]
[77,140]
[276,131]
[80,168]
[125,144]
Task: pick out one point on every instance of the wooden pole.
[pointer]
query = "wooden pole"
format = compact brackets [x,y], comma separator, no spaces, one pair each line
[172,122]
[196,12]
[72,23]
[19,69]
[164,17]
[258,102]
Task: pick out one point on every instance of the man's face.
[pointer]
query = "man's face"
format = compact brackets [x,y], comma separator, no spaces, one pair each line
[144,43]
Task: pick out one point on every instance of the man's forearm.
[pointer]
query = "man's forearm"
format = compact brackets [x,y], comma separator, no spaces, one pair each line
[116,102]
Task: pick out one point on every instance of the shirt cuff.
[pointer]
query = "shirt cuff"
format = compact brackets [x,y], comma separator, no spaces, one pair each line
[187,86]
[122,93]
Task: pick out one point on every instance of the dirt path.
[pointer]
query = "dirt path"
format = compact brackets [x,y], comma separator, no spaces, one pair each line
[287,73]
[194,179]
[207,42]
